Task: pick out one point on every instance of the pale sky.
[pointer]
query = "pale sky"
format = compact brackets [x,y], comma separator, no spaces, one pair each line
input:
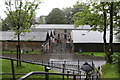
[46,6]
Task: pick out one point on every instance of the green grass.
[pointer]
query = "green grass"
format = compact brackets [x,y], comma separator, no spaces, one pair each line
[90,53]
[110,71]
[32,52]
[25,68]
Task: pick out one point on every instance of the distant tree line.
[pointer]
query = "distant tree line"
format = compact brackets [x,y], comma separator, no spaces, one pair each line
[56,16]
[64,16]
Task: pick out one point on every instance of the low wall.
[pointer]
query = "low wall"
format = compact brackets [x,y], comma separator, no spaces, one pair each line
[31,45]
[94,47]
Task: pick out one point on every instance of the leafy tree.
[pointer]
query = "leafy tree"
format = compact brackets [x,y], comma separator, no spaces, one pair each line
[20,14]
[42,20]
[0,24]
[8,24]
[99,16]
[69,12]
[118,37]
[56,16]
[68,15]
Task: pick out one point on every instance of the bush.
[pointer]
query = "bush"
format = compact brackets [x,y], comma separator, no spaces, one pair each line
[116,60]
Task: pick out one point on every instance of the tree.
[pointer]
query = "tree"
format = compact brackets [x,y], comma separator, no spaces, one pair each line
[20,14]
[118,37]
[69,12]
[0,24]
[42,20]
[56,16]
[68,15]
[8,24]
[99,16]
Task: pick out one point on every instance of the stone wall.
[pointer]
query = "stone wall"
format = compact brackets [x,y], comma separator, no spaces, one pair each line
[28,46]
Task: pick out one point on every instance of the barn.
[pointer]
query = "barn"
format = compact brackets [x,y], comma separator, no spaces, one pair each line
[29,41]
[92,41]
[80,38]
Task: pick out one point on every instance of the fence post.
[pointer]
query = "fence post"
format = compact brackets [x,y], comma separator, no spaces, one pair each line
[78,67]
[17,56]
[80,74]
[13,71]
[63,70]
[51,64]
[46,75]
[68,74]
[48,63]
[93,66]
[74,77]
[42,62]
[73,72]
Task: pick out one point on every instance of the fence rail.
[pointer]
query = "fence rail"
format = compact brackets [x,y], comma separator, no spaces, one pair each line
[46,71]
[37,63]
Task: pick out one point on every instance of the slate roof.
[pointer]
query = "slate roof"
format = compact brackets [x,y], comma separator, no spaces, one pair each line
[39,33]
[60,26]
[32,36]
[84,36]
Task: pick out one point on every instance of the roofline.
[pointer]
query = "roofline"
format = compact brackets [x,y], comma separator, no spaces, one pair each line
[94,43]
[21,41]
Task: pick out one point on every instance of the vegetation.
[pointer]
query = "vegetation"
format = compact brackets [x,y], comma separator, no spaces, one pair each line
[29,52]
[56,16]
[64,16]
[112,70]
[99,16]
[92,53]
[69,12]
[25,68]
[0,23]
[118,37]
[20,14]
[8,24]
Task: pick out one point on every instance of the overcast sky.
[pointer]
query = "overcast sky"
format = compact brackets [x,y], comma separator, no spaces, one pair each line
[46,6]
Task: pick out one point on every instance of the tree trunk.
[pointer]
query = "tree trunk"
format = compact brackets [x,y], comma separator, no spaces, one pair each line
[19,51]
[104,34]
[111,33]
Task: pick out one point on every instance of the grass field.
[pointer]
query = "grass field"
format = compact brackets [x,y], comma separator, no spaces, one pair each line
[92,53]
[110,71]
[25,68]
[83,53]
[32,52]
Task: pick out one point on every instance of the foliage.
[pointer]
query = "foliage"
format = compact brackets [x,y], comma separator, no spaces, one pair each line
[69,12]
[116,58]
[112,70]
[42,20]
[89,17]
[25,68]
[56,16]
[93,15]
[20,14]
[92,53]
[99,16]
[8,24]
[118,37]
[14,52]
[0,25]
[68,15]
[109,71]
